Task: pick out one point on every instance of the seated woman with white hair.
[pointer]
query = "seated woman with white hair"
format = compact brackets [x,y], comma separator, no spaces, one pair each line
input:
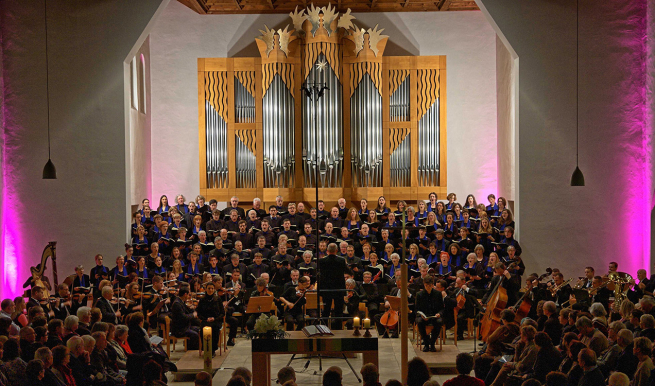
[618,379]
[597,310]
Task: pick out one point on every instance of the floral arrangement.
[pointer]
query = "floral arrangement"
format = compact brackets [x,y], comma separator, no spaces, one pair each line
[268,327]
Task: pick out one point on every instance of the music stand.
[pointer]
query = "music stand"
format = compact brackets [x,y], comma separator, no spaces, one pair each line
[259,304]
[311,301]
[394,302]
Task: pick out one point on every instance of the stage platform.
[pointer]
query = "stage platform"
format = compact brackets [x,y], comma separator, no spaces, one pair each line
[191,364]
[441,363]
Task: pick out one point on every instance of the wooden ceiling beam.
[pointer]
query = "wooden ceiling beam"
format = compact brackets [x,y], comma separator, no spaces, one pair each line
[196,5]
[445,6]
[217,7]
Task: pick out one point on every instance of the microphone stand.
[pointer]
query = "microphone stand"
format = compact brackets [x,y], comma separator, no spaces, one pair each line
[314,91]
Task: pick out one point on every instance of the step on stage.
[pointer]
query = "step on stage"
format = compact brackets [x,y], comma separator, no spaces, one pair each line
[191,364]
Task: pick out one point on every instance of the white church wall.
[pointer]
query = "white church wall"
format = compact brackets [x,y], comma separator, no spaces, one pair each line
[181,36]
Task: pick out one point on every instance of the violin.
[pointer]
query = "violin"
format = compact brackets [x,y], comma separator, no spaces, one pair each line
[139,295]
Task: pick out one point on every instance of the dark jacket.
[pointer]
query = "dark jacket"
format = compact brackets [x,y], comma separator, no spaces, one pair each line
[627,362]
[81,371]
[430,304]
[108,313]
[548,359]
[332,269]
[138,340]
[592,377]
[553,328]
[181,317]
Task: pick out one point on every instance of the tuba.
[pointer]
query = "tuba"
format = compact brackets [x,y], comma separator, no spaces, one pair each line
[622,283]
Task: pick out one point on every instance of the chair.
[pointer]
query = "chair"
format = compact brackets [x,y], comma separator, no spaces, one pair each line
[470,327]
[168,337]
[428,329]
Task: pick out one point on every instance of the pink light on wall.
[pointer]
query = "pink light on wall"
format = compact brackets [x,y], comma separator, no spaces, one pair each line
[635,122]
[9,237]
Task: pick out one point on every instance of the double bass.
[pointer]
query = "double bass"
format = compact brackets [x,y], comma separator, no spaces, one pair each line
[496,304]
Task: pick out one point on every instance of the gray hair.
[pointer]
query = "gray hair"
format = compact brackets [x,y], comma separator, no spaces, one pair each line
[616,326]
[647,321]
[107,290]
[597,309]
[121,330]
[178,196]
[583,321]
[647,300]
[42,353]
[70,321]
[332,248]
[351,282]
[342,244]
[83,312]
[394,255]
[307,253]
[74,343]
[89,342]
[618,379]
[202,233]
[626,335]
[550,306]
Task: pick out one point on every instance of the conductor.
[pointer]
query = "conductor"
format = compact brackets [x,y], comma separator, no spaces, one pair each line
[332,269]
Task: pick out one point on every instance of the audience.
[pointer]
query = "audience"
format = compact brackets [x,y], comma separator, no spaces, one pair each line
[285,374]
[332,376]
[418,372]
[203,378]
[464,365]
[370,375]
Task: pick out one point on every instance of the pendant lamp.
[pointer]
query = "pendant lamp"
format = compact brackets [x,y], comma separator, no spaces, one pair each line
[49,170]
[577,179]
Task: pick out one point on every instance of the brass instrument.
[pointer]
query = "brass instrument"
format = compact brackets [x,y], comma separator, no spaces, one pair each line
[622,283]
[580,283]
[555,289]
[594,291]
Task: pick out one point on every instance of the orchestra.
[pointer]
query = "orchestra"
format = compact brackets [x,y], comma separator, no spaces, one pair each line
[463,262]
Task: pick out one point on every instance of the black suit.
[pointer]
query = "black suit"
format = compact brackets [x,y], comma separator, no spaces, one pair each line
[553,328]
[429,304]
[108,313]
[332,269]
[181,318]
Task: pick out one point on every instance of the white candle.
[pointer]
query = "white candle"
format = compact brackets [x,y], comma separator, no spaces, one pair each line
[367,323]
[356,321]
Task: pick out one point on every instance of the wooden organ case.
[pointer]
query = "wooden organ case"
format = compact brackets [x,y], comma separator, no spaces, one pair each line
[378,129]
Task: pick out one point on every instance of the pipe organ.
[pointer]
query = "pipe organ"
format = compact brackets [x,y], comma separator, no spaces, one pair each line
[376,128]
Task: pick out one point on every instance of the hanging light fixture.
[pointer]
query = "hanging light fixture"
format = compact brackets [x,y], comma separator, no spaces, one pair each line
[577,179]
[49,170]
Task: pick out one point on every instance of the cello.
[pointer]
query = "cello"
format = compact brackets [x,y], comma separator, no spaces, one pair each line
[496,304]
[524,304]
